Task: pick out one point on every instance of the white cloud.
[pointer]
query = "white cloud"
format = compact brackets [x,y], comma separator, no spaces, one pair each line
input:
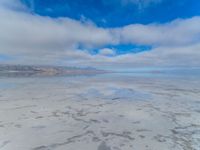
[178,32]
[44,40]
[12,4]
[107,52]
[26,31]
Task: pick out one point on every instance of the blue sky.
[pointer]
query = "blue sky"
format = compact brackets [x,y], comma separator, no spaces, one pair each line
[116,13]
[100,33]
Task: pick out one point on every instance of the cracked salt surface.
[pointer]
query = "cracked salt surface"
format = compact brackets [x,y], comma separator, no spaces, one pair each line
[100,113]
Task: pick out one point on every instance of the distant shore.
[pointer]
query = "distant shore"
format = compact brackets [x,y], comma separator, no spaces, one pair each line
[33,70]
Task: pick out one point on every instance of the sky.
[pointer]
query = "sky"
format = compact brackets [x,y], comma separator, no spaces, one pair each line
[106,34]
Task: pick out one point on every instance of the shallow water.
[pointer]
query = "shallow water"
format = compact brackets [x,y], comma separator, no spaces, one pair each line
[103,112]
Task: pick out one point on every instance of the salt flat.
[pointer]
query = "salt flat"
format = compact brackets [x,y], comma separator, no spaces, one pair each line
[103,112]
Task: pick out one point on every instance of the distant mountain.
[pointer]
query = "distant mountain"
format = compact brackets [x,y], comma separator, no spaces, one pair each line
[31,70]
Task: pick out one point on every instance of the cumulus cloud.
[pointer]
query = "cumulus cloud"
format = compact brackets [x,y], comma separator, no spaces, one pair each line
[35,39]
[41,33]
[178,32]
[107,52]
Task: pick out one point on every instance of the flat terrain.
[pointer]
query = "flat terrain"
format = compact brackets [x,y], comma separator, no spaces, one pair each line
[104,112]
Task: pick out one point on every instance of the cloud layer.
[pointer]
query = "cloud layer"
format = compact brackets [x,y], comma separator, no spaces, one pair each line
[33,39]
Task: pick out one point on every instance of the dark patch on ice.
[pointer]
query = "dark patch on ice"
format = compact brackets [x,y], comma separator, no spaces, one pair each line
[38,127]
[39,117]
[1,125]
[18,125]
[71,139]
[4,144]
[143,130]
[103,146]
[136,122]
[160,138]
[122,135]
[41,148]
[142,136]
[95,139]
[22,107]
[105,120]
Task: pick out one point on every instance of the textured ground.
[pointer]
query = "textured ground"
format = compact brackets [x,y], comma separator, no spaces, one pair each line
[106,112]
